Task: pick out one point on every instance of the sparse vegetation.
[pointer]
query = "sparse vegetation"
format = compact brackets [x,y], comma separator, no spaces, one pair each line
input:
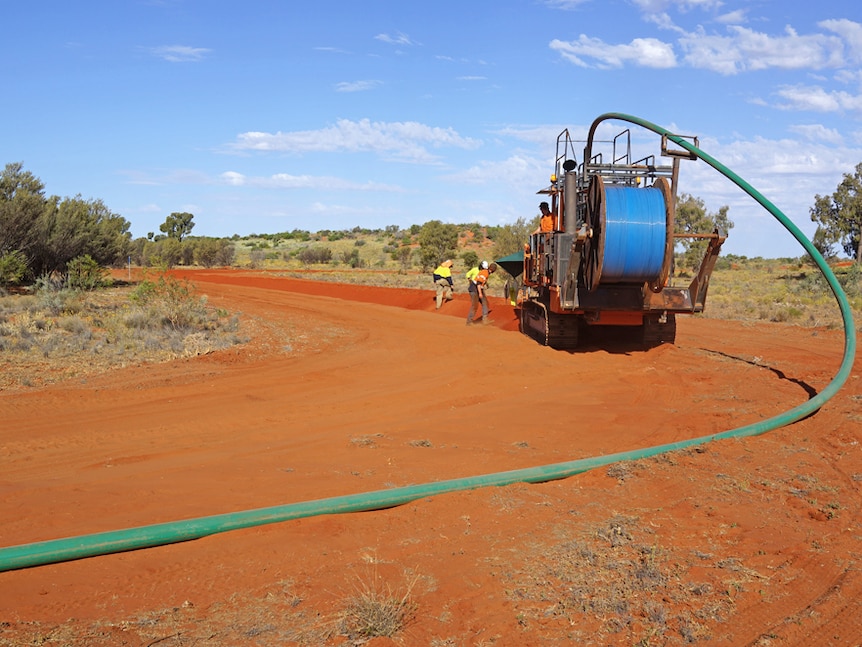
[781,290]
[56,326]
[376,609]
[162,318]
[616,579]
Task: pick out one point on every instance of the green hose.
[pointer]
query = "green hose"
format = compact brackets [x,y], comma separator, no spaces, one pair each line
[60,550]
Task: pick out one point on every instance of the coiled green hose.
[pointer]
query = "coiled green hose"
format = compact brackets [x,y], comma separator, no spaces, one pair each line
[60,550]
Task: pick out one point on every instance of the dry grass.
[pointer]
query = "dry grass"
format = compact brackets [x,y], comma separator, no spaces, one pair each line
[377,609]
[616,583]
[780,291]
[373,607]
[54,334]
[621,579]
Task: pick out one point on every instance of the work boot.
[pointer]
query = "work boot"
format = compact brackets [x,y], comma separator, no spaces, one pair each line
[485,320]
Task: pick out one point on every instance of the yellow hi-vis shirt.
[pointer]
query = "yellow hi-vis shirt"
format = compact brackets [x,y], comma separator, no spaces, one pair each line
[472,273]
[443,272]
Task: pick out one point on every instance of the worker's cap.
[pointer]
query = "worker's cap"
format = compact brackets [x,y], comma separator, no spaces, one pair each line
[484,265]
[543,204]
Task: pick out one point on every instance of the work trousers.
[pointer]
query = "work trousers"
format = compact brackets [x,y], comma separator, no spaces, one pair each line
[443,290]
[474,305]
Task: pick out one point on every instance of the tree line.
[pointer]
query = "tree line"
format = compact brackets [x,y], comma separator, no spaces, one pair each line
[42,235]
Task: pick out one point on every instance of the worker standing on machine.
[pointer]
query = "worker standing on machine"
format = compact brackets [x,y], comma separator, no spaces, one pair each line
[546,225]
[443,282]
[547,221]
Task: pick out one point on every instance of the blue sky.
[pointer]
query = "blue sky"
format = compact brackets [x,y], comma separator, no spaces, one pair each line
[263,117]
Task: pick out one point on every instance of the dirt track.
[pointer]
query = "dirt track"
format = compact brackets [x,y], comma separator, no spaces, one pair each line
[348,389]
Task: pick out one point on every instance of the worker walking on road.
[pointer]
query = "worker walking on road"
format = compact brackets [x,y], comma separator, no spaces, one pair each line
[443,281]
[478,292]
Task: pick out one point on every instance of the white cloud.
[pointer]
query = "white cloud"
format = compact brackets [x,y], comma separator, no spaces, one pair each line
[733,17]
[357,86]
[180,53]
[787,172]
[233,178]
[851,32]
[149,208]
[174,176]
[746,50]
[541,135]
[642,52]
[515,171]
[565,4]
[657,6]
[406,141]
[738,50]
[397,39]
[818,133]
[663,21]
[316,182]
[815,98]
[333,50]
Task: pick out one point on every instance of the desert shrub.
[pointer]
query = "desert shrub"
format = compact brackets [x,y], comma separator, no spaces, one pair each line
[84,273]
[173,302]
[74,325]
[470,258]
[851,280]
[54,297]
[13,266]
[351,258]
[315,255]
[377,610]
[257,257]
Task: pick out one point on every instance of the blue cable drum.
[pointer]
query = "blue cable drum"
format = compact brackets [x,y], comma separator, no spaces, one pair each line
[635,234]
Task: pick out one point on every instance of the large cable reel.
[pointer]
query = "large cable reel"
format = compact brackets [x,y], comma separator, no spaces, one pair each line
[630,234]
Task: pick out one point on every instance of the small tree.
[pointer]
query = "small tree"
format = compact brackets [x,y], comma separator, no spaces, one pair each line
[692,218]
[167,252]
[404,256]
[511,238]
[22,203]
[13,266]
[437,242]
[470,258]
[178,225]
[839,218]
[84,273]
[316,254]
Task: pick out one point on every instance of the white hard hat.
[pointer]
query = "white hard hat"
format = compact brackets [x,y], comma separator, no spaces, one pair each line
[484,265]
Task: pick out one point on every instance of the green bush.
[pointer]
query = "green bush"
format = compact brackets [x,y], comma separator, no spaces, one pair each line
[13,266]
[83,273]
[170,301]
[315,255]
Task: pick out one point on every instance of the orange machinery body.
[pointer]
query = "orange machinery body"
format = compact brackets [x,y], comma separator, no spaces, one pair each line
[609,259]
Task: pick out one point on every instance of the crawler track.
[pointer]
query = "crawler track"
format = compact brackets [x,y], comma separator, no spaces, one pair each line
[549,328]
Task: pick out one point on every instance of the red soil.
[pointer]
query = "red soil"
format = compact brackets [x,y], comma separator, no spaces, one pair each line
[350,389]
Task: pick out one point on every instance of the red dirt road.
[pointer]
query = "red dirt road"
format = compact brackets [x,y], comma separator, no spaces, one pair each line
[347,389]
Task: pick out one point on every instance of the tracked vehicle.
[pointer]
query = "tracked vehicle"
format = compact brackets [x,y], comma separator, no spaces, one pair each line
[607,261]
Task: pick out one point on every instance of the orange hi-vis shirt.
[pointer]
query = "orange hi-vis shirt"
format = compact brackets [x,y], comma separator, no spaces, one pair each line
[482,277]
